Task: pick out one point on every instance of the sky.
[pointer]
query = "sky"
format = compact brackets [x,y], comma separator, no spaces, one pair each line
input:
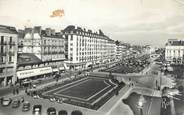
[133,21]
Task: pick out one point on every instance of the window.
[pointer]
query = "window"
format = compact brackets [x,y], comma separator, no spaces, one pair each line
[10,59]
[1,60]
[71,58]
[71,38]
[1,70]
[2,49]
[2,39]
[10,39]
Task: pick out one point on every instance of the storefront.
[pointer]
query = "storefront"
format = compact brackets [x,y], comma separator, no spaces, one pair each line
[35,73]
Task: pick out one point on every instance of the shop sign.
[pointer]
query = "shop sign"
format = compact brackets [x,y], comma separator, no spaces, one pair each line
[33,72]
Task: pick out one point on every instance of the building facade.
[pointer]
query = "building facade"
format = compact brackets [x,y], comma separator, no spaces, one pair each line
[8,54]
[87,48]
[45,44]
[174,51]
[42,52]
[120,51]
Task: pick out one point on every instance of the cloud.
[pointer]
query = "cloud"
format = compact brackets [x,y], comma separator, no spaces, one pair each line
[127,19]
[57,13]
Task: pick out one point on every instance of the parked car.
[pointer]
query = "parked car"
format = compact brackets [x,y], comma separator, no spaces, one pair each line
[52,99]
[6,101]
[62,112]
[51,111]
[15,103]
[37,109]
[26,106]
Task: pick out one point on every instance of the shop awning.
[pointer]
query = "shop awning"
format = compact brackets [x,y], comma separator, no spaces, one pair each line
[75,64]
[33,72]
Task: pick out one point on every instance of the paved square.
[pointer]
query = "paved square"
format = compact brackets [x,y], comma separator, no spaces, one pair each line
[84,92]
[85,89]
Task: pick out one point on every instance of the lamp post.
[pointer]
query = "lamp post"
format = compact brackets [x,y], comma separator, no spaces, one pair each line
[141,104]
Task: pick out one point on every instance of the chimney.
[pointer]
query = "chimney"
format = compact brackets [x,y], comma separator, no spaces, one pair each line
[28,30]
[48,31]
[53,32]
[37,29]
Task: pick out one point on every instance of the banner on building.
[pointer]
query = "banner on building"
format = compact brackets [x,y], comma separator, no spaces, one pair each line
[33,72]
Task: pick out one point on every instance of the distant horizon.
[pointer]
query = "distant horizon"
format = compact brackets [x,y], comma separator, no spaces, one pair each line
[59,30]
[137,22]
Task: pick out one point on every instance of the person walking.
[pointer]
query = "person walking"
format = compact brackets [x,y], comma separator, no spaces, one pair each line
[13,90]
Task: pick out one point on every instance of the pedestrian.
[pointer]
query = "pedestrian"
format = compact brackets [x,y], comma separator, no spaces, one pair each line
[17,91]
[13,91]
[22,99]
[26,90]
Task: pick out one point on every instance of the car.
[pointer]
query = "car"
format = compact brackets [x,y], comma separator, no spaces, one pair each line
[37,109]
[62,112]
[51,111]
[15,103]
[6,101]
[52,99]
[26,106]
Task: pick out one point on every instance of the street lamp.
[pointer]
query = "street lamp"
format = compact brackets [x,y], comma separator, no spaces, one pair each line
[141,104]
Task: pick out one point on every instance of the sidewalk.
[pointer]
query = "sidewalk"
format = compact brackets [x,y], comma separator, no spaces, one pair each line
[115,106]
[8,91]
[22,92]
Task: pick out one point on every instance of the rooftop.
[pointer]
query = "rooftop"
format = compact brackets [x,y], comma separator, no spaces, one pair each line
[175,43]
[84,30]
[8,29]
[28,59]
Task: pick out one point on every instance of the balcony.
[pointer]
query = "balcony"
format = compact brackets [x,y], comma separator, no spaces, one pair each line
[11,53]
[2,53]
[11,43]
[8,73]
[3,43]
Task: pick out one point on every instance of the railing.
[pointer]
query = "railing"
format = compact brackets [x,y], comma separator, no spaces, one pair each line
[11,53]
[2,53]
[11,43]
[8,73]
[3,43]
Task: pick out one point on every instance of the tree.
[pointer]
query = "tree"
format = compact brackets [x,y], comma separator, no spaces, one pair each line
[117,42]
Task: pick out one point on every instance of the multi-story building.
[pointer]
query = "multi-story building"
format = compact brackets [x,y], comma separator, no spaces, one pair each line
[42,52]
[87,48]
[120,50]
[8,54]
[174,51]
[45,44]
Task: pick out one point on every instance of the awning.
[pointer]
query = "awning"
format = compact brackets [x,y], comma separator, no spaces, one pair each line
[61,68]
[55,70]
[81,63]
[33,72]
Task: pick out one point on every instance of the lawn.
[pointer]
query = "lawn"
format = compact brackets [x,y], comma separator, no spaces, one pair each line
[85,89]
[91,92]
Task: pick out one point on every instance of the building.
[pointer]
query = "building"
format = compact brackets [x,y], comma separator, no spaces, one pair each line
[174,51]
[42,53]
[120,50]
[8,54]
[87,48]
